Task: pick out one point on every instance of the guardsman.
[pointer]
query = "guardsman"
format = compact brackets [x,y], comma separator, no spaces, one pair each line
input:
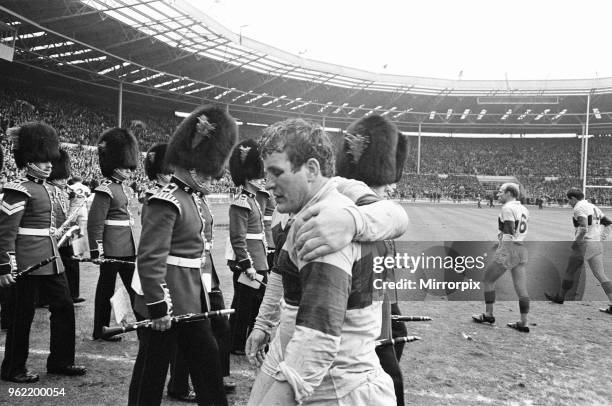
[59,178]
[109,224]
[267,205]
[248,242]
[3,314]
[398,328]
[27,227]
[172,262]
[369,154]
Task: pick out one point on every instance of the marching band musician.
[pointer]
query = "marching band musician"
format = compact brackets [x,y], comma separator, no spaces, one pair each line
[267,204]
[27,227]
[248,241]
[3,313]
[172,262]
[58,179]
[178,386]
[109,224]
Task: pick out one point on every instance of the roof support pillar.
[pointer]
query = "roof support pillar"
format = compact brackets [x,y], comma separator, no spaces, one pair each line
[586,144]
[120,109]
[419,151]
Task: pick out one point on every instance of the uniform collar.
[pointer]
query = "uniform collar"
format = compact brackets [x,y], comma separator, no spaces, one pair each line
[115,180]
[185,187]
[34,179]
[246,192]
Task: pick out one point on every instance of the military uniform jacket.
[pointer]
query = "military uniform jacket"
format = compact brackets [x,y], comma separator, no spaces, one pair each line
[172,226]
[109,208]
[247,232]
[267,205]
[27,225]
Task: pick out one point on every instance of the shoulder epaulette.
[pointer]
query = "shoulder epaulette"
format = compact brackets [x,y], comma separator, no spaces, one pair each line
[150,192]
[166,194]
[105,188]
[242,201]
[18,187]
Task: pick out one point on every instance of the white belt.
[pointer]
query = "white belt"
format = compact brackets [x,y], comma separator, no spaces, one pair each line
[267,218]
[184,262]
[259,236]
[45,232]
[125,223]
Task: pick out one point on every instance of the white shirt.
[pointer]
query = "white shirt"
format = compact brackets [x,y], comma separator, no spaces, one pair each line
[514,211]
[593,216]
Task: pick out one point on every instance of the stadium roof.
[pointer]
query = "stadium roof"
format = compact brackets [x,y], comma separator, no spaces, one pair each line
[171,50]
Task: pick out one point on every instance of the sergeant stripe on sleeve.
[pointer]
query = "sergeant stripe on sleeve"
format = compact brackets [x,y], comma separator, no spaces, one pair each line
[11,209]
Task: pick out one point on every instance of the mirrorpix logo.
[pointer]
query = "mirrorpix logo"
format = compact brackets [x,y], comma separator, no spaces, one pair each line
[437,270]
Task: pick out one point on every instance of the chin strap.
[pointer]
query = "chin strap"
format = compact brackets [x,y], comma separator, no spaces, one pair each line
[35,171]
[202,187]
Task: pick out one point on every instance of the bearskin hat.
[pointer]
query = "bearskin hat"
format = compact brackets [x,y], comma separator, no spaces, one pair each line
[403,149]
[117,148]
[246,163]
[34,142]
[368,151]
[203,141]
[61,167]
[154,162]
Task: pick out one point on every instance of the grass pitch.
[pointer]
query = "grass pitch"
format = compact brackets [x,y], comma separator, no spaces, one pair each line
[564,360]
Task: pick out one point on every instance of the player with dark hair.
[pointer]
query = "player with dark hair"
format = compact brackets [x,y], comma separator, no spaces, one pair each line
[587,247]
[324,348]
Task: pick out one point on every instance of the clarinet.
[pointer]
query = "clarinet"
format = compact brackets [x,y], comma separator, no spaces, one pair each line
[19,274]
[397,340]
[183,318]
[410,318]
[103,260]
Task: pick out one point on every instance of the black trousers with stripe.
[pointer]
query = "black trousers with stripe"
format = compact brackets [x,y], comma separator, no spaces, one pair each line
[200,353]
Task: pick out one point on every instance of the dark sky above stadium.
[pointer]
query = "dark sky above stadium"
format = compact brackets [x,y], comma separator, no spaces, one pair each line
[473,39]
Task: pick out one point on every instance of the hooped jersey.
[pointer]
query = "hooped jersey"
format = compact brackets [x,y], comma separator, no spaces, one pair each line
[593,216]
[514,211]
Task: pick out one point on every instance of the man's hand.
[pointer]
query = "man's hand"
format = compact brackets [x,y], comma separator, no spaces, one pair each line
[251,273]
[321,232]
[6,280]
[161,324]
[255,347]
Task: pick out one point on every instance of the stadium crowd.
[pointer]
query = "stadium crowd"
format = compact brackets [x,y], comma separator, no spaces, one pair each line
[546,167]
